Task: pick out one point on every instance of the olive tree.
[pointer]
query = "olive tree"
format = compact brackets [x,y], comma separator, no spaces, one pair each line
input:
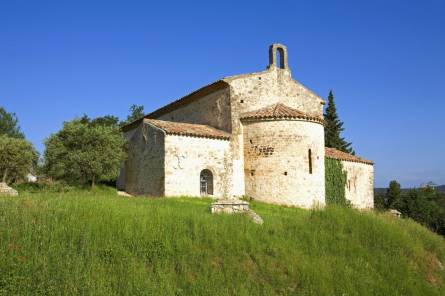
[17,157]
[82,152]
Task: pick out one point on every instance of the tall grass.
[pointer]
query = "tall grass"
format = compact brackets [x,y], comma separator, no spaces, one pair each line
[96,243]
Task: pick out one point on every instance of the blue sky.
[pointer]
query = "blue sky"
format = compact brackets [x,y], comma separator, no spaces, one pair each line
[384,60]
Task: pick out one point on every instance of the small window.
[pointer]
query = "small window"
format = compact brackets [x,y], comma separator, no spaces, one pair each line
[242,101]
[285,173]
[252,172]
[206,182]
[251,142]
[310,160]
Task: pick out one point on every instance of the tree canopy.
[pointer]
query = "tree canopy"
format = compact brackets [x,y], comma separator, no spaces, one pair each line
[334,127]
[9,124]
[17,157]
[424,205]
[107,120]
[136,112]
[84,151]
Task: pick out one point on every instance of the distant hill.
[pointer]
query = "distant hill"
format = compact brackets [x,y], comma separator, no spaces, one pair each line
[441,188]
[380,190]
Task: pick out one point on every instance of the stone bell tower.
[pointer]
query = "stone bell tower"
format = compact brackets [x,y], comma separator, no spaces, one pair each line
[278,58]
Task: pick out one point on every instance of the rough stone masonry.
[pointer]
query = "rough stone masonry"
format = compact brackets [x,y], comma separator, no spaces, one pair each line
[259,135]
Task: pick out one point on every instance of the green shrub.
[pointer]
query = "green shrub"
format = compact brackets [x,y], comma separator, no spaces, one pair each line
[42,187]
[61,187]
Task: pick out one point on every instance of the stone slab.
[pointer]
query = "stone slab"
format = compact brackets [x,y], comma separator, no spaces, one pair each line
[5,190]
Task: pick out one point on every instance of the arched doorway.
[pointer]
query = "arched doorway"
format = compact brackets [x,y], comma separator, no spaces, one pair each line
[206,182]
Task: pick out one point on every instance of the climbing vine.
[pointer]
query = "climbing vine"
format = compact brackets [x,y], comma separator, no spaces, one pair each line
[335,182]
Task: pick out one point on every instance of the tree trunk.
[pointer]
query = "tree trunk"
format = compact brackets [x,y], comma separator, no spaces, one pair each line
[93,183]
[5,174]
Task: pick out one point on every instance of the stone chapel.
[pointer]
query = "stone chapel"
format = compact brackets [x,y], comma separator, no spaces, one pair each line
[259,135]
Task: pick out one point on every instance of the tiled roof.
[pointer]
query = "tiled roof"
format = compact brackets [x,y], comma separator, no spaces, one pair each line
[189,129]
[340,155]
[279,111]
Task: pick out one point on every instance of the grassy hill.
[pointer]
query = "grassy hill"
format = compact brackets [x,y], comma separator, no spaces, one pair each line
[99,244]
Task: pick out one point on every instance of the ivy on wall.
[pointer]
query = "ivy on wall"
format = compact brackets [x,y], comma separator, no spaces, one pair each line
[335,182]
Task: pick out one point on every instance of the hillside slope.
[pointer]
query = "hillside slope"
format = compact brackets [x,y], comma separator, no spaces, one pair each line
[100,244]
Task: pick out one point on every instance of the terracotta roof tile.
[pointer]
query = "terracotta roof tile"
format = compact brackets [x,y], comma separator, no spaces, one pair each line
[340,155]
[278,111]
[189,129]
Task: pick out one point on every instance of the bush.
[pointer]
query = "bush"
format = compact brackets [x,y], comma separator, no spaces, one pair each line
[54,186]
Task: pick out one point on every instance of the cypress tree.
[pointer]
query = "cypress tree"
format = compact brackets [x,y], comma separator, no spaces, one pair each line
[393,194]
[334,127]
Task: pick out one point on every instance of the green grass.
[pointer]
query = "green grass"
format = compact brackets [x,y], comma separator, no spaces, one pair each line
[95,243]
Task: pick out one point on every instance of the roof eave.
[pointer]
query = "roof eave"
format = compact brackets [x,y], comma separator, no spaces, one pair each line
[350,160]
[226,138]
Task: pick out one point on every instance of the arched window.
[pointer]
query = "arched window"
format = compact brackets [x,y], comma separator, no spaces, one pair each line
[309,154]
[206,182]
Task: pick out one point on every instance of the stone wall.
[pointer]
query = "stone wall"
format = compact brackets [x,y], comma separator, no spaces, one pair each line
[212,109]
[359,184]
[186,157]
[120,182]
[254,91]
[251,92]
[144,167]
[222,108]
[277,168]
